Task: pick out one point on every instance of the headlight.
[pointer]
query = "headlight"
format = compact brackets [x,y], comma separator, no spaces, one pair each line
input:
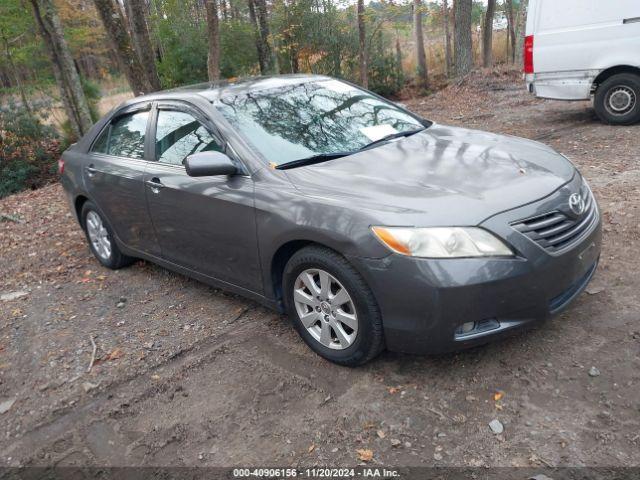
[442,242]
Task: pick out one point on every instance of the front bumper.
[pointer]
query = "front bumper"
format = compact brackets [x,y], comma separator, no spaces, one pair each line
[424,301]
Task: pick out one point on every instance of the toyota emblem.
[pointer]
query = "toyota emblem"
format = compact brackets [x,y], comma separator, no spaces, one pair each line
[576,204]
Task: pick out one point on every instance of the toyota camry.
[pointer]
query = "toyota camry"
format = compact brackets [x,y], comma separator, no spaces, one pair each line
[369,226]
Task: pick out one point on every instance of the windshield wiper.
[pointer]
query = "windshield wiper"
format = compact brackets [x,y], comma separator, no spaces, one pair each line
[391,136]
[321,157]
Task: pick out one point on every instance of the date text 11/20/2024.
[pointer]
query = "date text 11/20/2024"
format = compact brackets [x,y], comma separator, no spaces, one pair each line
[318,472]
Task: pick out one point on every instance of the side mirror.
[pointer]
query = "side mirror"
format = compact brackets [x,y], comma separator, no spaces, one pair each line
[208,164]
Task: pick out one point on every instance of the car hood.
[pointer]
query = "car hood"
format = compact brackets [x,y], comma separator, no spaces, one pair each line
[455,175]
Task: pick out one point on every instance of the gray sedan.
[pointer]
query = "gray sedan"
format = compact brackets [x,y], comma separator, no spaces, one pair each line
[370,227]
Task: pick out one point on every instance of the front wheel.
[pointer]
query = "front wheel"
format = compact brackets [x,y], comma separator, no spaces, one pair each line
[617,99]
[332,307]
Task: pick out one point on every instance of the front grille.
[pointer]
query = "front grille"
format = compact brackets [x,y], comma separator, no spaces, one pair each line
[556,231]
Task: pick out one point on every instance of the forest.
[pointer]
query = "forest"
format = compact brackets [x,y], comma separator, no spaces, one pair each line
[64,62]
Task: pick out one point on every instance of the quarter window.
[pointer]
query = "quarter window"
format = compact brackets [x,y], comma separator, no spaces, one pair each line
[124,137]
[179,134]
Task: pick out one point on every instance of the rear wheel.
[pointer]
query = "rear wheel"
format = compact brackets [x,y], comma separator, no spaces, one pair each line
[101,239]
[332,307]
[617,99]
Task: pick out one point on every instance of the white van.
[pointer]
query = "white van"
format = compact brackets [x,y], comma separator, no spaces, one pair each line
[578,48]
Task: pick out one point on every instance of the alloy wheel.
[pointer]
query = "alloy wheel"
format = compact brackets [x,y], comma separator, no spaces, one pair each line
[98,235]
[325,309]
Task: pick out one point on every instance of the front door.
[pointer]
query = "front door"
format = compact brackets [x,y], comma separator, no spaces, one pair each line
[114,178]
[206,224]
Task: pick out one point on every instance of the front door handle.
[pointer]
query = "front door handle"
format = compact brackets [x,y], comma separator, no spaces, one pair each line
[155,184]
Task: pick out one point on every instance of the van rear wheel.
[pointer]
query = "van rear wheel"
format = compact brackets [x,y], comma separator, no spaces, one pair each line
[617,99]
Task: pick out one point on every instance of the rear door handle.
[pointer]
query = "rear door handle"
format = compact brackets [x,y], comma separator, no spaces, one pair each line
[155,184]
[91,171]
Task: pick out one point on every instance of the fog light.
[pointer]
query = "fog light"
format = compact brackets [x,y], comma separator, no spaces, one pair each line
[466,328]
[474,328]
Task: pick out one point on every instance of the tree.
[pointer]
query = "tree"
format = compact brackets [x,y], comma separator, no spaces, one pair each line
[7,51]
[487,35]
[213,35]
[258,15]
[462,48]
[113,22]
[398,54]
[511,29]
[421,57]
[71,92]
[447,38]
[522,25]
[362,47]
[137,12]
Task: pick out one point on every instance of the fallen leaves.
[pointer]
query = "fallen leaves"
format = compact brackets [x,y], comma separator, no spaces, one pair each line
[115,354]
[364,454]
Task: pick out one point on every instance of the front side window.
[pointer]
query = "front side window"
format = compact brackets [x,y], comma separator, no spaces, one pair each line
[179,134]
[296,121]
[124,137]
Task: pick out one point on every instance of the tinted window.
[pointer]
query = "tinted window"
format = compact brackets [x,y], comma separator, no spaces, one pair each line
[101,145]
[124,137]
[296,121]
[179,135]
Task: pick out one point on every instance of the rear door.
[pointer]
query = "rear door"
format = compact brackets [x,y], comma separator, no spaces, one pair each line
[206,224]
[584,35]
[114,177]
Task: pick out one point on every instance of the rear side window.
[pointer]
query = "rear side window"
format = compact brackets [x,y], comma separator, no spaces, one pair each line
[124,137]
[179,134]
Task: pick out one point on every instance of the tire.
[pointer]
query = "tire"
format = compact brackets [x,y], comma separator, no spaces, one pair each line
[354,346]
[617,99]
[113,258]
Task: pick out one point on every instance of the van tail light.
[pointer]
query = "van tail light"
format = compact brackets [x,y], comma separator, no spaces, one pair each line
[61,165]
[528,54]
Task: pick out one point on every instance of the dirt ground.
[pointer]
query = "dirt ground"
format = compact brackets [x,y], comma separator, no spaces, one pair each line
[188,375]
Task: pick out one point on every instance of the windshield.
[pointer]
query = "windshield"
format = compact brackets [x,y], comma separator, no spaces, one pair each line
[299,121]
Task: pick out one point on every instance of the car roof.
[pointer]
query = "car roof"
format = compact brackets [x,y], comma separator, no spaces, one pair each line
[211,91]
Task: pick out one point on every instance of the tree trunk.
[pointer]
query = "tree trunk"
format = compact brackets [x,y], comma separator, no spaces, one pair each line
[512,33]
[114,25]
[398,55]
[463,53]
[522,27]
[137,11]
[225,11]
[447,38]
[258,15]
[71,92]
[16,75]
[362,45]
[213,34]
[487,35]
[421,57]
